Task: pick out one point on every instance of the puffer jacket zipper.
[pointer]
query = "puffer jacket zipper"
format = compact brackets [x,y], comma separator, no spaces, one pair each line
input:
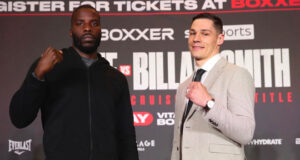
[90,114]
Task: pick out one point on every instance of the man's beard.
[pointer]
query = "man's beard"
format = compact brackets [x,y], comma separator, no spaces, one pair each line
[89,49]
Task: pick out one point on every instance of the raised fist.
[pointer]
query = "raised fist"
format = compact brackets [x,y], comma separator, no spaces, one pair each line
[48,60]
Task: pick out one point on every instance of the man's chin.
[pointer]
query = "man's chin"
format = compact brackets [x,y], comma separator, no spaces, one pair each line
[197,57]
[86,46]
[87,49]
[88,43]
[196,54]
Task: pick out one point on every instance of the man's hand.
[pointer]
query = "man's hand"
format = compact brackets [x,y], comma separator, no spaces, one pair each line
[49,59]
[198,94]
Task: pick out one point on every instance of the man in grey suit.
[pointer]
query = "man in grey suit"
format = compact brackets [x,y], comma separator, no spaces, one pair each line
[214,109]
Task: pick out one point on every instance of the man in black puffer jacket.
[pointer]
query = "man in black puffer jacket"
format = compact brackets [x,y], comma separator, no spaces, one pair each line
[84,102]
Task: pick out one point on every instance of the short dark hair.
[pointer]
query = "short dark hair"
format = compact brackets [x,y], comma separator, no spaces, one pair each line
[80,7]
[218,24]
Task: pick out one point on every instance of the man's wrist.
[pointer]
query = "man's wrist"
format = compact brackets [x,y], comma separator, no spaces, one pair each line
[209,104]
[34,75]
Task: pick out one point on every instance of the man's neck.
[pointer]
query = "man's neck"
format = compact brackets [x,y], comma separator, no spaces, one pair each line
[88,56]
[201,62]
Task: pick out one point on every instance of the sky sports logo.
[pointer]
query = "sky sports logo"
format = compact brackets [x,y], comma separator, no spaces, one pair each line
[142,118]
[239,32]
[235,32]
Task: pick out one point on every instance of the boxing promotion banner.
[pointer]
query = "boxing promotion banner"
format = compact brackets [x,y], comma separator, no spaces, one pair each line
[147,41]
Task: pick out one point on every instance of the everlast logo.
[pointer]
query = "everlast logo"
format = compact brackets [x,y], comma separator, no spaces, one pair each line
[19,147]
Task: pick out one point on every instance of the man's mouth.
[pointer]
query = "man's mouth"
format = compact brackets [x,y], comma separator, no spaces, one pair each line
[87,38]
[197,47]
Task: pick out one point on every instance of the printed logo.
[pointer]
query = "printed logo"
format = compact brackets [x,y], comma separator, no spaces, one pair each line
[125,69]
[142,118]
[235,32]
[19,147]
[143,145]
[263,142]
[239,32]
[297,141]
[136,34]
[165,118]
[258,4]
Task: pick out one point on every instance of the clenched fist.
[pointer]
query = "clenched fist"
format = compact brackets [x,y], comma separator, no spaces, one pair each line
[198,94]
[48,60]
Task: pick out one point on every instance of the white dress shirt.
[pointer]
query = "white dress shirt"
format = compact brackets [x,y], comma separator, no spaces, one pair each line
[207,66]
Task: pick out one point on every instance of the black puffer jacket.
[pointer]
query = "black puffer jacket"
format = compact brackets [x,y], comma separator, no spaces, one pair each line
[86,112]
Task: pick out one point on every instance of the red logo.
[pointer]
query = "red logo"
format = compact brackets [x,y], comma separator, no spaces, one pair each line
[142,118]
[125,69]
[263,3]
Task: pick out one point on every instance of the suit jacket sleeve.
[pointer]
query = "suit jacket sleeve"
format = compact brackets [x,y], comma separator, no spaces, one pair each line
[236,118]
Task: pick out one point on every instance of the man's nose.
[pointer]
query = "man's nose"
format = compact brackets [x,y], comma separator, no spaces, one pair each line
[197,38]
[87,28]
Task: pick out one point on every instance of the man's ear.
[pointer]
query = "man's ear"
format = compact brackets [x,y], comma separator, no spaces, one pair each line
[220,40]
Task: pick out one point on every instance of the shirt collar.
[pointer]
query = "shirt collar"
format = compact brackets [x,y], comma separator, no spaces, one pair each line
[207,66]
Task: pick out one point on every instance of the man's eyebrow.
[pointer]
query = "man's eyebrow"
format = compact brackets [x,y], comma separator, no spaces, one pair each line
[201,30]
[78,19]
[83,19]
[205,30]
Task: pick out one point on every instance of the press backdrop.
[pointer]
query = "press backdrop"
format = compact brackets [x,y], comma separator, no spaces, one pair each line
[147,41]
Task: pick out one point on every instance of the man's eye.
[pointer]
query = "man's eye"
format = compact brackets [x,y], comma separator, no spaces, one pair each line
[79,23]
[192,33]
[95,24]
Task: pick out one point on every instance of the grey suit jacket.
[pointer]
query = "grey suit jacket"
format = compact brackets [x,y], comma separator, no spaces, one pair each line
[222,132]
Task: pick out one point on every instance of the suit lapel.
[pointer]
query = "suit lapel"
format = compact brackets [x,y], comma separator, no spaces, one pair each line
[209,81]
[214,73]
[183,96]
